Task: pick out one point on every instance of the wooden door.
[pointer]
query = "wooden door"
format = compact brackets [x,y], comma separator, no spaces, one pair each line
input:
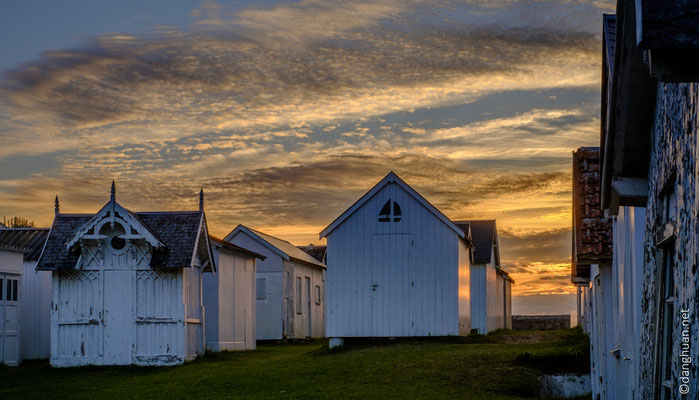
[118,317]
[392,272]
[9,317]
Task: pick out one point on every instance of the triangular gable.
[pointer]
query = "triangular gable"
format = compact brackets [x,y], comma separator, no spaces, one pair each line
[392,178]
[484,235]
[278,246]
[256,237]
[111,210]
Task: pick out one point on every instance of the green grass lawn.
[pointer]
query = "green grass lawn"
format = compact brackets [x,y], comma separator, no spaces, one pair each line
[502,365]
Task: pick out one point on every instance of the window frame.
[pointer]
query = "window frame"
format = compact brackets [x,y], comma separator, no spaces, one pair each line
[318,294]
[257,288]
[10,289]
[390,212]
[299,295]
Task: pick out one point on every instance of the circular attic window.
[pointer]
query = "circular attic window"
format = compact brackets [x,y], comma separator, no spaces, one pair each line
[117,243]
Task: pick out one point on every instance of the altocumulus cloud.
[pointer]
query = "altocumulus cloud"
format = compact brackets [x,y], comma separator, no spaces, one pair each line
[280,111]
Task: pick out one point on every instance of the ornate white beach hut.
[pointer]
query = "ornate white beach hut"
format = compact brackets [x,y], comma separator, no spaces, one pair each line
[127,286]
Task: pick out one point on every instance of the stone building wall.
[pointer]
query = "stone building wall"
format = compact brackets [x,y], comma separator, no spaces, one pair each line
[673,156]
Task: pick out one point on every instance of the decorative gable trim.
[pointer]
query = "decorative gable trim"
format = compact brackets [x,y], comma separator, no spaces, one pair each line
[392,178]
[208,264]
[110,211]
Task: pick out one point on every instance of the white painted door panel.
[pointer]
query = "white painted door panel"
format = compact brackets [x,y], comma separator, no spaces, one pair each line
[392,272]
[118,311]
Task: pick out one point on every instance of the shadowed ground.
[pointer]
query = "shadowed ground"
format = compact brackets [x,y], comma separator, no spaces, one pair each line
[502,365]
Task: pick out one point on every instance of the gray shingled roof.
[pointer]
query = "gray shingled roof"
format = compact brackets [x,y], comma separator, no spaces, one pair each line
[177,230]
[29,241]
[288,249]
[483,235]
[317,252]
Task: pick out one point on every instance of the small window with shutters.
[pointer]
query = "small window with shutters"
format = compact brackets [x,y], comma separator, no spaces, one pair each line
[261,288]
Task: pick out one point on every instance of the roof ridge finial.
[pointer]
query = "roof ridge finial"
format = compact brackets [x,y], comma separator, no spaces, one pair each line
[201,199]
[113,197]
[57,206]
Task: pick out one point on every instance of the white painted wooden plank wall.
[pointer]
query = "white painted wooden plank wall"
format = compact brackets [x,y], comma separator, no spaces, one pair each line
[627,269]
[229,303]
[499,307]
[118,312]
[493,304]
[433,300]
[479,299]
[464,288]
[10,314]
[35,311]
[298,321]
[276,312]
[270,316]
[508,302]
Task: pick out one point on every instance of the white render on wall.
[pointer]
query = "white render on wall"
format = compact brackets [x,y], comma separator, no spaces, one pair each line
[278,314]
[404,278]
[229,302]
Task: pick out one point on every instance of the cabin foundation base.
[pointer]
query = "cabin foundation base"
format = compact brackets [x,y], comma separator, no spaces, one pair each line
[335,342]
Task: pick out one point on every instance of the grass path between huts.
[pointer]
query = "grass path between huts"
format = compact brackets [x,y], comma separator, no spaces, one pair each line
[501,365]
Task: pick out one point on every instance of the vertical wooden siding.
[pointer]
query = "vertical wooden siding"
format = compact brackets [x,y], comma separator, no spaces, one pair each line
[433,297]
[270,313]
[35,304]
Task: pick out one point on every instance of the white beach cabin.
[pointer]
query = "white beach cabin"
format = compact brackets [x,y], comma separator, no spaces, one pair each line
[229,298]
[397,266]
[25,296]
[491,286]
[127,286]
[290,287]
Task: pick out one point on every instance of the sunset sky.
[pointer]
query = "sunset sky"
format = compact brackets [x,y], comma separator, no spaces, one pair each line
[287,112]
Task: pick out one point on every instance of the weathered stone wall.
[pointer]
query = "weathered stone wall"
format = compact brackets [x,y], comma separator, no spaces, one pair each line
[540,322]
[594,236]
[673,154]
